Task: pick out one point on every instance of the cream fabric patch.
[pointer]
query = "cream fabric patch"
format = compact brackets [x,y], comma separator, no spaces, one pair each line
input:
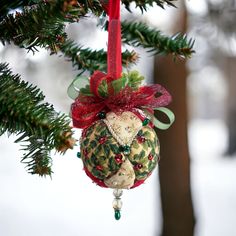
[124,126]
[124,178]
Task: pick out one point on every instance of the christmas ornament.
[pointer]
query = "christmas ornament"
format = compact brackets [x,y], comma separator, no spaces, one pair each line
[119,147]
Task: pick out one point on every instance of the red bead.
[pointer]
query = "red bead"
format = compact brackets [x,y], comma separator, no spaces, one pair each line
[141,139]
[138,166]
[99,167]
[150,157]
[102,140]
[118,158]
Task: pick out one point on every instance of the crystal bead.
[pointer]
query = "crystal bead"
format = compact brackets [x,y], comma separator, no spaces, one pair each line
[117,192]
[78,154]
[117,204]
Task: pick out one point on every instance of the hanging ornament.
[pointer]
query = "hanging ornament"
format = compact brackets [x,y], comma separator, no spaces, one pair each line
[119,147]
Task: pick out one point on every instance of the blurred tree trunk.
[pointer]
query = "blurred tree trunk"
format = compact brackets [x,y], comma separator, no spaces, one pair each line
[174,169]
[231,103]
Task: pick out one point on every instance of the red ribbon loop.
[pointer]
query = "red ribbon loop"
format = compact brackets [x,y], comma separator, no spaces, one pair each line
[95,80]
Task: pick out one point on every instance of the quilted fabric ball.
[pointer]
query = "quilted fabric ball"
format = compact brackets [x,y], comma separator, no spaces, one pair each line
[119,151]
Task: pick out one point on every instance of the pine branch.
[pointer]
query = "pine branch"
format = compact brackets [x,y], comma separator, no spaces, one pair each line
[93,6]
[48,33]
[91,60]
[143,4]
[43,26]
[139,34]
[40,24]
[41,129]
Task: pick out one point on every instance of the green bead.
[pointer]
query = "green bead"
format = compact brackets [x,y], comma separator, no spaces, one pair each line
[78,154]
[125,149]
[140,133]
[117,214]
[146,121]
[102,115]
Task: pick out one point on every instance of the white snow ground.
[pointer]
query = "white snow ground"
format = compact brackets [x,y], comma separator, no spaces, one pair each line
[213,179]
[70,205]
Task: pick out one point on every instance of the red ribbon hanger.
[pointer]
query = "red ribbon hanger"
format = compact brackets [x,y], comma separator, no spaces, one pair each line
[114,64]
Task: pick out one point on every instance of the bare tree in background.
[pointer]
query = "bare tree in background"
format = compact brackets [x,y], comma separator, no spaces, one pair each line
[218,28]
[231,107]
[174,171]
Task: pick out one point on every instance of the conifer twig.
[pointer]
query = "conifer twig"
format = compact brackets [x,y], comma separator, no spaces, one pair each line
[91,60]
[38,126]
[139,34]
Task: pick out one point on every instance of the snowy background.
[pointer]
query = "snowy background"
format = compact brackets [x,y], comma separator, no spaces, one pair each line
[69,204]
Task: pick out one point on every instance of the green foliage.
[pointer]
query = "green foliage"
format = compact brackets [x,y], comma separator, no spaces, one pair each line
[86,59]
[131,79]
[37,124]
[120,83]
[134,79]
[139,34]
[143,4]
[38,25]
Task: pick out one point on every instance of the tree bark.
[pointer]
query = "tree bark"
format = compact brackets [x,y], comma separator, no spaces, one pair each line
[174,168]
[231,104]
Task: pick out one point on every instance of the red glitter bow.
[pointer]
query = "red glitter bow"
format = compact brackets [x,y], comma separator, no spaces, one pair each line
[85,109]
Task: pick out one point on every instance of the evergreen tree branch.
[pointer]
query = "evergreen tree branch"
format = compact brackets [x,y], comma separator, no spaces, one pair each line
[41,129]
[91,60]
[43,26]
[39,25]
[94,6]
[143,4]
[49,34]
[139,34]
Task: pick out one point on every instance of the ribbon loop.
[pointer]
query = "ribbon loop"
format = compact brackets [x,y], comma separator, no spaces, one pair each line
[157,123]
[76,85]
[95,80]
